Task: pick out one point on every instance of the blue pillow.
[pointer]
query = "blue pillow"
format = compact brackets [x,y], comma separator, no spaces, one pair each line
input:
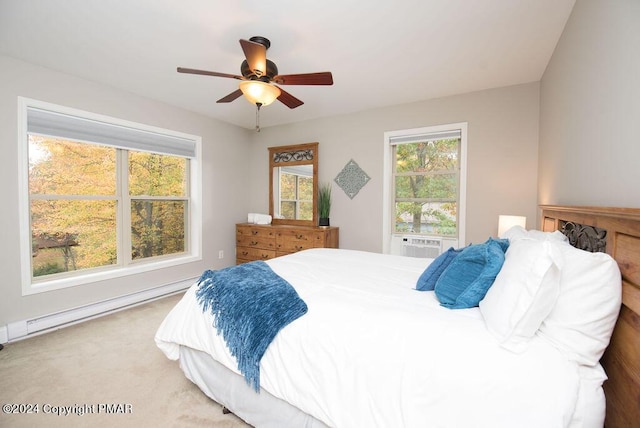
[427,280]
[468,277]
[504,243]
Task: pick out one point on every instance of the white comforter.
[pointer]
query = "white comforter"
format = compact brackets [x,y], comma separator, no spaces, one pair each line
[374,352]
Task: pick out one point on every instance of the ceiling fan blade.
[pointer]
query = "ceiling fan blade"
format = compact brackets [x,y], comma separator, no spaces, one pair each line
[323,78]
[288,99]
[208,73]
[256,55]
[232,96]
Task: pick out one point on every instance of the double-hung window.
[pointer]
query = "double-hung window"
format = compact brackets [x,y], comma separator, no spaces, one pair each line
[296,192]
[425,186]
[102,197]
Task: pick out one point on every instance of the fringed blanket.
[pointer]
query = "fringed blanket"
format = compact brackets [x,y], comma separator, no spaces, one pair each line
[250,304]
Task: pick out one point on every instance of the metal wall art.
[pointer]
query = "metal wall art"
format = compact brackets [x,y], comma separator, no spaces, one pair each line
[351,179]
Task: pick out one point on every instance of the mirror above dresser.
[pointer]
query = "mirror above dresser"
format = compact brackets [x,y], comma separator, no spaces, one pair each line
[293,184]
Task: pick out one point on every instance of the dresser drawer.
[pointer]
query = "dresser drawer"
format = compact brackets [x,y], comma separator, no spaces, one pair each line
[254,231]
[248,254]
[297,240]
[256,241]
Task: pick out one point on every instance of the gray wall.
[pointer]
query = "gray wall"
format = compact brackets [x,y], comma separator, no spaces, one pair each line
[573,138]
[502,168]
[223,147]
[502,158]
[590,109]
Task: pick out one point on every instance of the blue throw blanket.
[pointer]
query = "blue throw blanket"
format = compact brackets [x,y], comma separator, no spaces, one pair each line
[251,304]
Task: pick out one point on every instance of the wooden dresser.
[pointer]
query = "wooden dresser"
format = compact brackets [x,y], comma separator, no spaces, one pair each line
[263,242]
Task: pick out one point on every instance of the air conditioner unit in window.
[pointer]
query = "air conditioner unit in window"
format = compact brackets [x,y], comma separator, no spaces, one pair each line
[421,246]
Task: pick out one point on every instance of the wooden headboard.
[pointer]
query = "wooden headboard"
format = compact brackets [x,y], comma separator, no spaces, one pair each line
[618,229]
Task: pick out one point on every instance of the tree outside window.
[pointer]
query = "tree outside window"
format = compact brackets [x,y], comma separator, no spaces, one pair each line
[296,196]
[426,183]
[78,195]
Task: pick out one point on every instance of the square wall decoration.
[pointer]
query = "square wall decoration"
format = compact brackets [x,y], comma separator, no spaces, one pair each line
[351,179]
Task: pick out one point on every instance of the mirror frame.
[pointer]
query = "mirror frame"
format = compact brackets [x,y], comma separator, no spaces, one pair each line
[297,154]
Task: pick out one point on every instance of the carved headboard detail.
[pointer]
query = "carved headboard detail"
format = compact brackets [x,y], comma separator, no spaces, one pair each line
[585,237]
[615,231]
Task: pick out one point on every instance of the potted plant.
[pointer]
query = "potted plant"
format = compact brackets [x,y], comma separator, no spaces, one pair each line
[324,203]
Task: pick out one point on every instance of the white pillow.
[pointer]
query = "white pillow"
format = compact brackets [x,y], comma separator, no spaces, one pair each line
[519,232]
[583,318]
[523,294]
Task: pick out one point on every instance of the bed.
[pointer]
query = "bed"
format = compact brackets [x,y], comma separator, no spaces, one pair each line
[371,350]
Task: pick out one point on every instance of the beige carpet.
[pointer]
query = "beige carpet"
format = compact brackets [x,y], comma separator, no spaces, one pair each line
[109,360]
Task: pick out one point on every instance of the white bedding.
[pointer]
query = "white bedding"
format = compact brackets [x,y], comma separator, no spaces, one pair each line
[374,352]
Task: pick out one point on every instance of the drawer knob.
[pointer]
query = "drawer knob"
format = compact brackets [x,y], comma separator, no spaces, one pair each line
[254,243]
[254,232]
[299,236]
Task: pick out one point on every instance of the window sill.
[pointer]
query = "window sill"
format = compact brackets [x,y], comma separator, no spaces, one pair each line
[30,287]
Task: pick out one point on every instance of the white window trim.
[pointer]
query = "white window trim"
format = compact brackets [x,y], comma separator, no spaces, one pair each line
[387,182]
[297,200]
[100,274]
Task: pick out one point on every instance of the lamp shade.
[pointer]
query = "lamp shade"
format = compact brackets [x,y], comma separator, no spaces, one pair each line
[506,222]
[257,92]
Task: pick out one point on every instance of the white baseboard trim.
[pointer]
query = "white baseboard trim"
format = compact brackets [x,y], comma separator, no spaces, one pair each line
[22,329]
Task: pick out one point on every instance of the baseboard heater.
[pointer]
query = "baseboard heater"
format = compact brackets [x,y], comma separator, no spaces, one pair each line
[22,329]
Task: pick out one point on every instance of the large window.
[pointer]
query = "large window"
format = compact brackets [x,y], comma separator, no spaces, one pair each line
[103,198]
[425,182]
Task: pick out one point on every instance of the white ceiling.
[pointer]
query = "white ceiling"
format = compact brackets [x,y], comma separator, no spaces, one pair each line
[380,52]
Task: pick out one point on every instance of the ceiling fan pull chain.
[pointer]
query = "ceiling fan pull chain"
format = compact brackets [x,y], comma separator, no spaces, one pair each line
[258,105]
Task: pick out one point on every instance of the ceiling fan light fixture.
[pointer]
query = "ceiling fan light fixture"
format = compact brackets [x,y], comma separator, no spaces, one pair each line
[258,92]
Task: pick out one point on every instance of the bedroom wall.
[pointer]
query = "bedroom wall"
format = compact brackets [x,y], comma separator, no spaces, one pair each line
[502,169]
[221,205]
[502,158]
[590,109]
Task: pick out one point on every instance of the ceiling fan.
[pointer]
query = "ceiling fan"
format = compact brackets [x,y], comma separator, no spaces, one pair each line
[259,76]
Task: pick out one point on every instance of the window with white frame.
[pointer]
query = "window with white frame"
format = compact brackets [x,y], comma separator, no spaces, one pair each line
[296,192]
[102,197]
[425,184]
